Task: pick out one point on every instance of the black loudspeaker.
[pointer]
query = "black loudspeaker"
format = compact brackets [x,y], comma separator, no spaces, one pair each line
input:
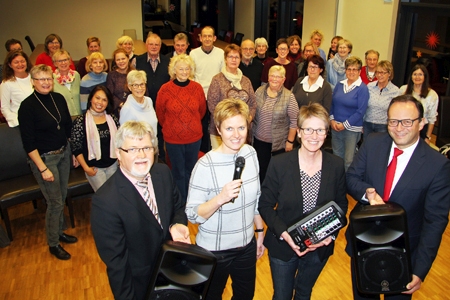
[182,272]
[381,253]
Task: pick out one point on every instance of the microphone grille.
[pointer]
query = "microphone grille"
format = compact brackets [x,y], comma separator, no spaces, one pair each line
[240,161]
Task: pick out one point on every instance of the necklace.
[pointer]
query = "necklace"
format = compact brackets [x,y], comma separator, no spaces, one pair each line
[57,122]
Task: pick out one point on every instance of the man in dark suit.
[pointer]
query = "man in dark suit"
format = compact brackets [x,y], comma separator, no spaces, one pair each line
[156,67]
[420,185]
[127,229]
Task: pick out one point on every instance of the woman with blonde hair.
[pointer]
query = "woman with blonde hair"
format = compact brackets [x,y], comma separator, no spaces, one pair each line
[275,122]
[96,66]
[93,45]
[180,107]
[67,81]
[138,107]
[126,43]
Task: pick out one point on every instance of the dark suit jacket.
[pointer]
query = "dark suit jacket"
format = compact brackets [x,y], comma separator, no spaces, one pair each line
[127,235]
[282,188]
[423,190]
[155,79]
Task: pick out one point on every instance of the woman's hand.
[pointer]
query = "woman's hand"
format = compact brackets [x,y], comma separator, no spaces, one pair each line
[288,146]
[325,242]
[91,171]
[47,175]
[259,245]
[287,238]
[75,162]
[337,126]
[229,191]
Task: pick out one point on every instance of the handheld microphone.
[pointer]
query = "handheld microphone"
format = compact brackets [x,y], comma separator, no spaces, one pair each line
[238,168]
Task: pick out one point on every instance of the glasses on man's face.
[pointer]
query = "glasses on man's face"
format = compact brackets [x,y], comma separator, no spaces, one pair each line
[43,80]
[138,85]
[309,131]
[137,150]
[248,49]
[404,122]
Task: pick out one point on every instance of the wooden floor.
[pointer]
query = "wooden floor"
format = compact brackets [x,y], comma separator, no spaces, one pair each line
[28,271]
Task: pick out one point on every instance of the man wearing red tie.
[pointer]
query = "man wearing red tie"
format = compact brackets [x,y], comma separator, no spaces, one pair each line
[404,169]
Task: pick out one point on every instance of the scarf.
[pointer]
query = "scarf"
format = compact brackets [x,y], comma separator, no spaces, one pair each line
[64,79]
[339,64]
[93,137]
[235,79]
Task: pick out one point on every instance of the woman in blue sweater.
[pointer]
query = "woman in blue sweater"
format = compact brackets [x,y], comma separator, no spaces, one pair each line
[96,66]
[348,106]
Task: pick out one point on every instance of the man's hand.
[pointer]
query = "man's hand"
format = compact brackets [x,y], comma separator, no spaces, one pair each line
[180,233]
[287,238]
[414,285]
[373,197]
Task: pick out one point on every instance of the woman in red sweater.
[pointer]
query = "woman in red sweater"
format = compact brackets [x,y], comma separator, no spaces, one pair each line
[180,107]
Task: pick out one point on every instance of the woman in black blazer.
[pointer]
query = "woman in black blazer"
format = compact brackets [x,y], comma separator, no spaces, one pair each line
[297,182]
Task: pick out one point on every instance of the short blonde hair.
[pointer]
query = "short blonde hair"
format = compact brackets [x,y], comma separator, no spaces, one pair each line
[313,110]
[124,39]
[136,75]
[279,69]
[94,56]
[58,53]
[316,32]
[182,58]
[261,41]
[315,49]
[385,64]
[347,43]
[41,69]
[228,108]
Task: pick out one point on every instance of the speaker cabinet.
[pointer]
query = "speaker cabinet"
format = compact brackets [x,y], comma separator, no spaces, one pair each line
[182,271]
[380,243]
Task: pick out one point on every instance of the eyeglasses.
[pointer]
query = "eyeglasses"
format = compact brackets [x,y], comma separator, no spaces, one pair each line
[62,60]
[381,73]
[137,150]
[233,57]
[352,70]
[248,49]
[404,122]
[43,80]
[138,85]
[309,131]
[276,77]
[313,67]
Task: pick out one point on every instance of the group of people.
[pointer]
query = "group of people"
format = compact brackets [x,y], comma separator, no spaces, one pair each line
[276,113]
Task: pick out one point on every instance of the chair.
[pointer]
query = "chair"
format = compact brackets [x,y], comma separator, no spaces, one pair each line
[17,183]
[229,37]
[221,35]
[131,33]
[30,42]
[443,133]
[238,38]
[165,33]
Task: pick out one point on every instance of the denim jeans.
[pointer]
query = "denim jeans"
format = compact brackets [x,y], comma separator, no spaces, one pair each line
[372,127]
[240,264]
[54,192]
[183,158]
[285,280]
[344,144]
[101,176]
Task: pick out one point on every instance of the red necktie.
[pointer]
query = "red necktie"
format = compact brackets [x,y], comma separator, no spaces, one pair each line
[390,173]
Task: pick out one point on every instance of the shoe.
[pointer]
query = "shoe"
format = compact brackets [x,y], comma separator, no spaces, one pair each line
[59,252]
[69,239]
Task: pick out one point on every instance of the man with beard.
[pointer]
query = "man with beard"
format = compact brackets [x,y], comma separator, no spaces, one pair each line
[249,67]
[135,211]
